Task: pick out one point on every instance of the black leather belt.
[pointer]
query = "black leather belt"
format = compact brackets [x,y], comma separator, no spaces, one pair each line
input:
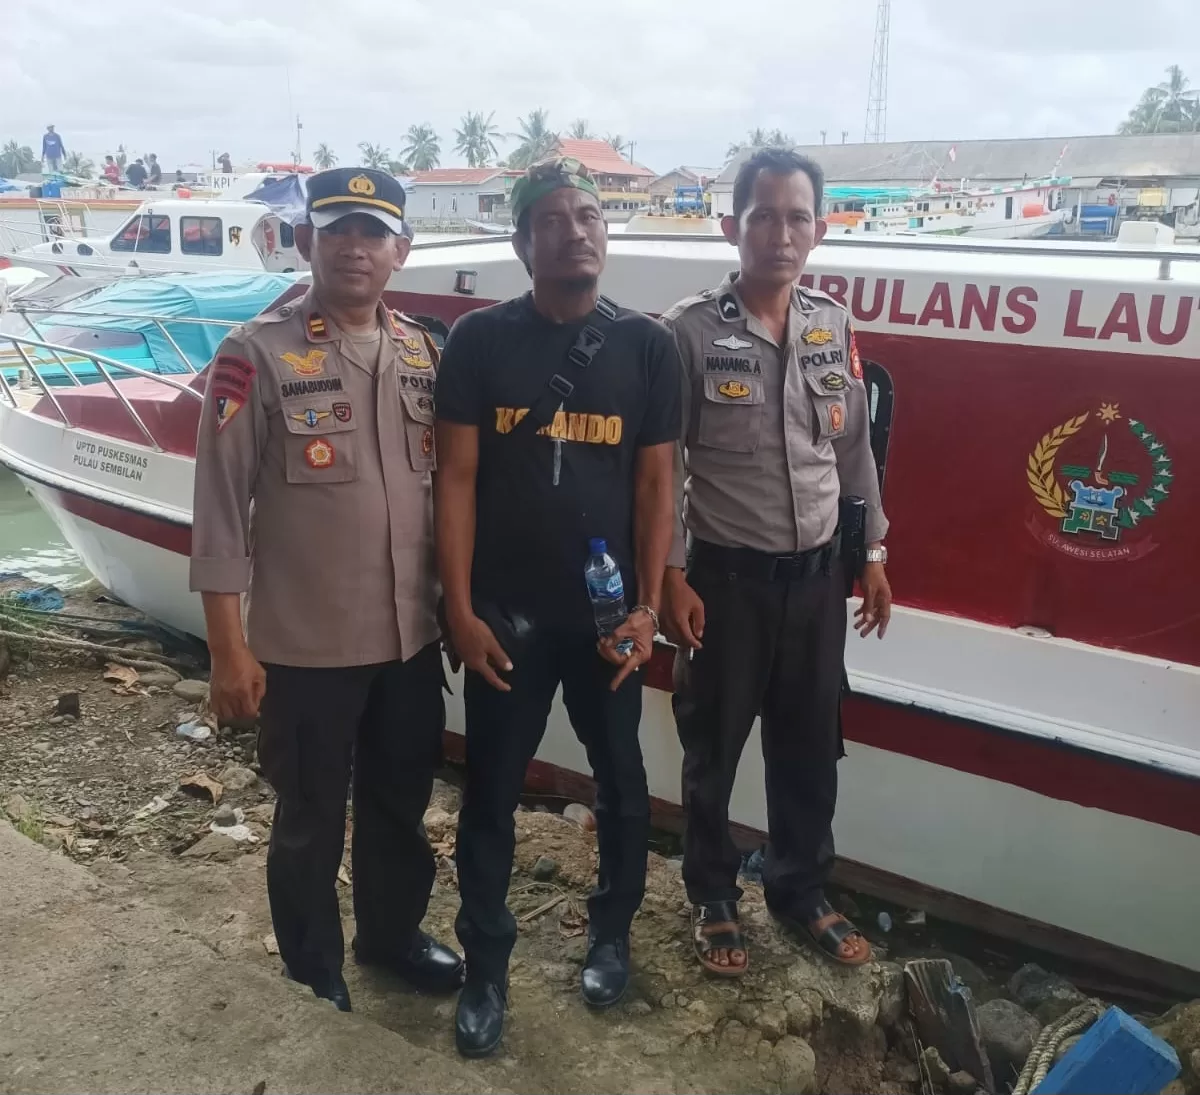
[748,563]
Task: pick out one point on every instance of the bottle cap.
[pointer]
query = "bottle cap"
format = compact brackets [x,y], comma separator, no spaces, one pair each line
[598,546]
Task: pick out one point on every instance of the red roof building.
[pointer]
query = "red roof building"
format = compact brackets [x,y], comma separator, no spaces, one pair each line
[614,174]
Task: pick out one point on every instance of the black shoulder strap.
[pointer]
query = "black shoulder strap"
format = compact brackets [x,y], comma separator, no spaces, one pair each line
[589,343]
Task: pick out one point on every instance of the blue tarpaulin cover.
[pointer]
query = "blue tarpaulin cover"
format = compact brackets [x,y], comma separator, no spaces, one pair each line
[105,330]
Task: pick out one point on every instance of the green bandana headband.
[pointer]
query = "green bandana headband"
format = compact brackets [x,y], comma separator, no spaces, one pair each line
[544,178]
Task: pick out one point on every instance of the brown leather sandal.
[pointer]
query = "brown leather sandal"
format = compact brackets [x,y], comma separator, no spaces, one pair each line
[829,940]
[715,927]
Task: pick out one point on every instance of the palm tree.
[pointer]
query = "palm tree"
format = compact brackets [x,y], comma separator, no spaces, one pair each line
[324,157]
[581,131]
[1169,107]
[399,167]
[476,140]
[536,137]
[121,157]
[423,149]
[16,158]
[374,155]
[761,138]
[617,141]
[77,164]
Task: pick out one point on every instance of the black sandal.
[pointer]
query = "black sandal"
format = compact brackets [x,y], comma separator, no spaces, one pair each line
[830,939]
[722,918]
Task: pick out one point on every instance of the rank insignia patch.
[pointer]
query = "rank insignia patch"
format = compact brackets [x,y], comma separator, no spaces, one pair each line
[316,327]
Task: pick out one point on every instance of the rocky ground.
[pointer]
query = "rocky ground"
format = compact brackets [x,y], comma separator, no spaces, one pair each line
[94,766]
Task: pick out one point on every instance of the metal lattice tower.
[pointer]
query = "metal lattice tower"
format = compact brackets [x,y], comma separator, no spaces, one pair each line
[876,128]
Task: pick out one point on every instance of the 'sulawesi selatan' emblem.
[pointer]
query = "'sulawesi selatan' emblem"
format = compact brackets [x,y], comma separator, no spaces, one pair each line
[1126,478]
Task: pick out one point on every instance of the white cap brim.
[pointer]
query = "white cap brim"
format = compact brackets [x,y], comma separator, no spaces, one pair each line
[323,218]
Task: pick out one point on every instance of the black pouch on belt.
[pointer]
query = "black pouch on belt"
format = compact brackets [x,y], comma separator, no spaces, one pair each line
[513,630]
[852,524]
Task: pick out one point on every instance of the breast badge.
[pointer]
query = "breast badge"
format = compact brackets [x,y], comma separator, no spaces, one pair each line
[834,382]
[311,364]
[733,343]
[818,336]
[319,453]
[837,418]
[734,389]
[312,419]
[342,412]
[427,442]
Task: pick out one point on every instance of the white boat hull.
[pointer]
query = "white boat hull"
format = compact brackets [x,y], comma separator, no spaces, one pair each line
[986,822]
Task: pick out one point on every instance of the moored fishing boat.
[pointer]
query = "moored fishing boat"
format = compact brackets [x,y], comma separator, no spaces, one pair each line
[1026,737]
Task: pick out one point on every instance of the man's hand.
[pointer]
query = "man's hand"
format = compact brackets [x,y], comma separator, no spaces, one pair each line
[876,607]
[639,628]
[480,650]
[238,685]
[683,612]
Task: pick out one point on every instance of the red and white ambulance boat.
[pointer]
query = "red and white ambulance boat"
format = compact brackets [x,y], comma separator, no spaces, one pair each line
[1025,744]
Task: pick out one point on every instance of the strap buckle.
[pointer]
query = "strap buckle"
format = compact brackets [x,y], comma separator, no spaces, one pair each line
[560,385]
[606,308]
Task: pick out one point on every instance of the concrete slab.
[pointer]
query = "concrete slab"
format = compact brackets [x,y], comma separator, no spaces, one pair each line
[103,994]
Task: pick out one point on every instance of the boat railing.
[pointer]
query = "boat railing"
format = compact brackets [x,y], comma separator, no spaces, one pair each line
[108,368]
[160,323]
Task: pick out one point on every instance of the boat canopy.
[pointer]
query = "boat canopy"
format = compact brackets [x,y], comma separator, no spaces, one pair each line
[285,196]
[135,321]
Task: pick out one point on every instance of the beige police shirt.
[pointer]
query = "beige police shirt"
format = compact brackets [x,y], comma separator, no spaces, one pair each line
[313,488]
[772,435]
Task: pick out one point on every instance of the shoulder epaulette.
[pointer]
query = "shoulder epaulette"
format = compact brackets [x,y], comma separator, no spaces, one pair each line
[682,306]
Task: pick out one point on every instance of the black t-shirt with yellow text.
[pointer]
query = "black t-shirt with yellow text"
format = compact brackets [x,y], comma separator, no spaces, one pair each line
[531,535]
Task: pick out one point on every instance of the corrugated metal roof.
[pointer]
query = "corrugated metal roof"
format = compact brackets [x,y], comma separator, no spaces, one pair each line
[601,158]
[1161,155]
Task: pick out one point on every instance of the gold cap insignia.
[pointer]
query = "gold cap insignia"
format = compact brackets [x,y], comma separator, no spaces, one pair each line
[360,184]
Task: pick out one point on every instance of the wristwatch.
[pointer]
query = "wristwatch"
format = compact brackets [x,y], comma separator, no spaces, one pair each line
[877,555]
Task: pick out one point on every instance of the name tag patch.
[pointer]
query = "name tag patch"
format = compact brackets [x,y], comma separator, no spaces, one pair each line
[291,388]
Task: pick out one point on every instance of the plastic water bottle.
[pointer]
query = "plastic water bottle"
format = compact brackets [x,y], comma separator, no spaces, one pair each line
[606,591]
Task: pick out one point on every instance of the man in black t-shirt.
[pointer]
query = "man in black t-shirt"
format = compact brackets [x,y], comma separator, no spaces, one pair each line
[538,452]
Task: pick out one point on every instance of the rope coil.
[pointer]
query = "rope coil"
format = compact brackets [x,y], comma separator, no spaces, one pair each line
[1041,1057]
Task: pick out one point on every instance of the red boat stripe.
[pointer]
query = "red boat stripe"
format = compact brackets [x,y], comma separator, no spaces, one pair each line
[1047,768]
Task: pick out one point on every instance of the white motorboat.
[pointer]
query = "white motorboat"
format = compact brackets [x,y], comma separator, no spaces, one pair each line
[1024,746]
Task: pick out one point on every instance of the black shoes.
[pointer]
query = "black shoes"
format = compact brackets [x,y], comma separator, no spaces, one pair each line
[427,965]
[331,987]
[479,1020]
[605,974]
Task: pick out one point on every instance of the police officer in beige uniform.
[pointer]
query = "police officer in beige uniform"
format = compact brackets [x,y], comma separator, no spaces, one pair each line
[777,428]
[313,496]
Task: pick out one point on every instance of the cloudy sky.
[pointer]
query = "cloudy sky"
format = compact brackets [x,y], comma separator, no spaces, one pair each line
[187,78]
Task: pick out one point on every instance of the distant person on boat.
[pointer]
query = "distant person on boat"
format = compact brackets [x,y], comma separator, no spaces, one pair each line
[226,163]
[137,174]
[112,170]
[52,149]
[776,431]
[312,495]
[155,176]
[536,454]
[179,180]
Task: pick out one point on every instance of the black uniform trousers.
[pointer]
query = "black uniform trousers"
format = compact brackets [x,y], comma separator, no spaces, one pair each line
[772,646]
[504,730]
[385,723]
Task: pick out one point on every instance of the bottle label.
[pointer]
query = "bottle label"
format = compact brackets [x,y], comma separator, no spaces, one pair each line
[615,587]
